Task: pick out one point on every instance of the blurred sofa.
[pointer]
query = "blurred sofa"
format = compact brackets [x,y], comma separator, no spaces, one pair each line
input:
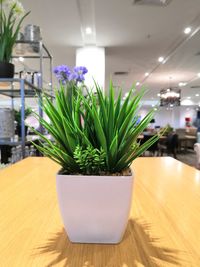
[189,132]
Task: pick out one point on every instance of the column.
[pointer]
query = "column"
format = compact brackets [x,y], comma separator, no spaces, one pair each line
[93,58]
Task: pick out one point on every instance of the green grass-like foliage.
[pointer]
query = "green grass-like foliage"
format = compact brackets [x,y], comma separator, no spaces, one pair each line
[9,29]
[90,159]
[94,134]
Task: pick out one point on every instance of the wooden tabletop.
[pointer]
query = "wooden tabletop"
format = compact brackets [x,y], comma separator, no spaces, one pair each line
[163,230]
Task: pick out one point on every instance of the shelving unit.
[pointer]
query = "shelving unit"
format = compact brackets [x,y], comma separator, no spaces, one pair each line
[34,50]
[21,88]
[25,90]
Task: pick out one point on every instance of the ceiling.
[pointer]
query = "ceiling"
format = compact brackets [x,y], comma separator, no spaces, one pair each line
[134,37]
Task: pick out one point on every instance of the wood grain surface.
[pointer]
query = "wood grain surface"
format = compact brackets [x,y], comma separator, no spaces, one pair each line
[163,230]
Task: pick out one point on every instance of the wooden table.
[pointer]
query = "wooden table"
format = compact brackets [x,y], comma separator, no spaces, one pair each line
[163,230]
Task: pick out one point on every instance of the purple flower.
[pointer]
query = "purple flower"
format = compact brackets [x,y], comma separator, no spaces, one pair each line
[80,72]
[62,73]
[73,76]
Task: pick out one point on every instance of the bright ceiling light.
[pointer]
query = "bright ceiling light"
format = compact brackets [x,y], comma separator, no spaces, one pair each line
[182,84]
[160,59]
[198,74]
[21,59]
[158,94]
[146,74]
[187,30]
[189,97]
[88,30]
[197,95]
[137,83]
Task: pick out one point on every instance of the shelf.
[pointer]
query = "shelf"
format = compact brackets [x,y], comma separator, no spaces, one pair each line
[16,141]
[16,93]
[28,49]
[21,88]
[9,142]
[9,88]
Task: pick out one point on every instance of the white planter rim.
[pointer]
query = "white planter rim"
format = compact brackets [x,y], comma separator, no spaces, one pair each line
[94,176]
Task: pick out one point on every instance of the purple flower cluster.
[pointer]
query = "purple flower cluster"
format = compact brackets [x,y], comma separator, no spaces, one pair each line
[64,74]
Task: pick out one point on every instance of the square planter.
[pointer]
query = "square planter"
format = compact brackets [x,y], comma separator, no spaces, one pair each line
[94,209]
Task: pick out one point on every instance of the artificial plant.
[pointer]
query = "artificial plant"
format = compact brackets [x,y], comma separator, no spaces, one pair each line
[93,134]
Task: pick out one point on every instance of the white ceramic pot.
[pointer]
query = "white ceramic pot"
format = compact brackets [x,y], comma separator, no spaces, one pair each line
[95,209]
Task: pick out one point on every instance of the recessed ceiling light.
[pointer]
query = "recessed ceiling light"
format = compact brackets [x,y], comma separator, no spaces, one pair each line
[146,74]
[160,59]
[187,30]
[158,94]
[88,30]
[182,84]
[198,74]
[197,95]
[189,97]
[137,83]
[21,59]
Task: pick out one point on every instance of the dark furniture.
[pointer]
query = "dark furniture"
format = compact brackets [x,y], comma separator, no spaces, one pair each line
[170,145]
[153,148]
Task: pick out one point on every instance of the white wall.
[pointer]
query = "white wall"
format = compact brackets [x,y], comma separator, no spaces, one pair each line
[175,117]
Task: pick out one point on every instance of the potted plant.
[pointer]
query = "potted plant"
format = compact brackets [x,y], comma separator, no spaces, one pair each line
[17,114]
[95,142]
[11,18]
[168,129]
